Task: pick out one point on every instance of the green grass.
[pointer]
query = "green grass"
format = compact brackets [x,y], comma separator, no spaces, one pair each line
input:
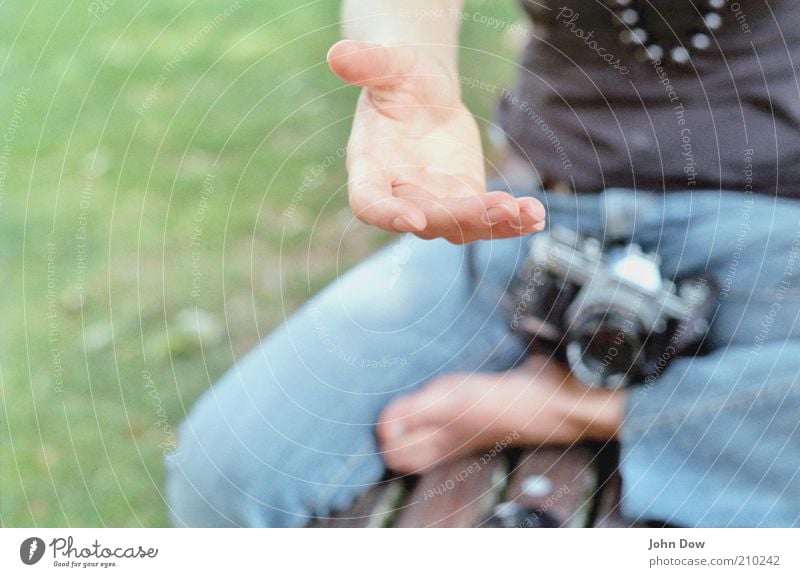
[111,127]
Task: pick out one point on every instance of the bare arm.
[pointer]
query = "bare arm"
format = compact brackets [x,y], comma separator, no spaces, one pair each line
[415,162]
[432,25]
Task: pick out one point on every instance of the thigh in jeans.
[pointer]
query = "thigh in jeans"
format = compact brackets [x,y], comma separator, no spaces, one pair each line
[751,246]
[715,440]
[288,432]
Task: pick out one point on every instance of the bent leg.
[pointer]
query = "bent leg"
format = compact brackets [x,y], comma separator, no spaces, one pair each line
[715,440]
[288,433]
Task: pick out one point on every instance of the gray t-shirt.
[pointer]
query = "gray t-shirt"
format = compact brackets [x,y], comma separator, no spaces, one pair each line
[591,113]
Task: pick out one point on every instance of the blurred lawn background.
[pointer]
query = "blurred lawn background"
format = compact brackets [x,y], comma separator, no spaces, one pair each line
[170,188]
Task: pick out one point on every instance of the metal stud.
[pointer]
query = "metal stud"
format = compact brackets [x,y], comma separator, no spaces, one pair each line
[635,36]
[701,41]
[713,20]
[627,13]
[629,17]
[679,55]
[654,52]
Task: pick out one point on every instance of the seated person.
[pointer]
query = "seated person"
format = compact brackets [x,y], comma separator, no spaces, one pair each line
[677,119]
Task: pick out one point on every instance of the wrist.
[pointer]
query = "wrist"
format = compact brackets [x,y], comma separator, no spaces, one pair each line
[601,413]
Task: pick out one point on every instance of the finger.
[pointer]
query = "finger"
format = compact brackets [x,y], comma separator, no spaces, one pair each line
[368,64]
[498,232]
[531,211]
[466,210]
[529,216]
[412,411]
[372,201]
[508,230]
[499,207]
[416,452]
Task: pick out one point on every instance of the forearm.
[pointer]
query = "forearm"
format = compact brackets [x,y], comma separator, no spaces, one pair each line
[430,25]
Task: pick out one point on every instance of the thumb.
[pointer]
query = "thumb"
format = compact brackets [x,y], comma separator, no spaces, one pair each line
[368,64]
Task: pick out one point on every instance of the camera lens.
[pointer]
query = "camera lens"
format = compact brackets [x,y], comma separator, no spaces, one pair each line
[605,345]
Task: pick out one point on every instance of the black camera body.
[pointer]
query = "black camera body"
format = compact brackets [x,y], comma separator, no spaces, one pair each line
[607,311]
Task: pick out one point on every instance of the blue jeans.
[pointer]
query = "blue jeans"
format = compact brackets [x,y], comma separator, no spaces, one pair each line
[288,432]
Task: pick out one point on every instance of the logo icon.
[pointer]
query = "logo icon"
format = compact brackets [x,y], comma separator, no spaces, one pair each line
[31,550]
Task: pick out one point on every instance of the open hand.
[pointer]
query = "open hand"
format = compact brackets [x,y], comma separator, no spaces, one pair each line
[414,159]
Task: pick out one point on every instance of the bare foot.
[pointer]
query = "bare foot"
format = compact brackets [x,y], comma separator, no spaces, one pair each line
[538,403]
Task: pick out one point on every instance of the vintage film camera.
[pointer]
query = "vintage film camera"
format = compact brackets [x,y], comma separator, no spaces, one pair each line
[607,312]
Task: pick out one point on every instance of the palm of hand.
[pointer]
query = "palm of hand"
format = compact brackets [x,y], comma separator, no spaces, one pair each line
[415,160]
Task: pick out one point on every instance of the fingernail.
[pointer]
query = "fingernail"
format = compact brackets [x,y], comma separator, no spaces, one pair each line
[533,209]
[496,214]
[406,224]
[538,227]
